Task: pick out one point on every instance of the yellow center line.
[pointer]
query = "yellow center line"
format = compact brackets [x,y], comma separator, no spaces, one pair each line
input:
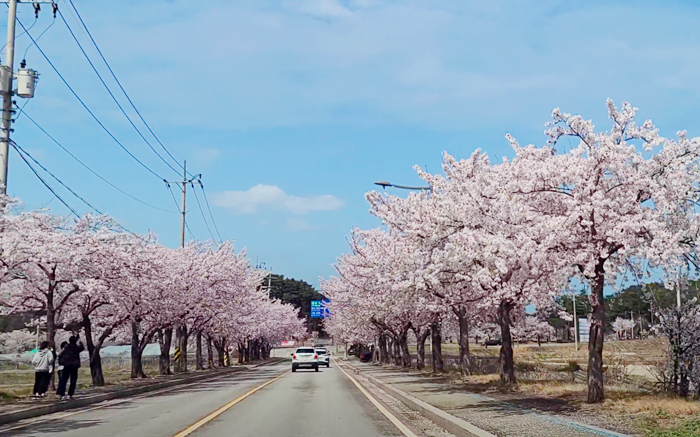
[403,428]
[203,421]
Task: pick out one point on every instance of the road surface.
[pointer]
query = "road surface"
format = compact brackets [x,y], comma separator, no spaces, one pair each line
[305,403]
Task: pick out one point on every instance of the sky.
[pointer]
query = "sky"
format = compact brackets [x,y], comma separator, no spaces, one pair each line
[291,110]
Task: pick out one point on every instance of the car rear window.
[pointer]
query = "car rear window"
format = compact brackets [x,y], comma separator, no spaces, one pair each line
[305,351]
[321,351]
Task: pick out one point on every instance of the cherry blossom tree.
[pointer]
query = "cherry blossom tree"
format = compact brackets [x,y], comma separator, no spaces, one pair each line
[605,205]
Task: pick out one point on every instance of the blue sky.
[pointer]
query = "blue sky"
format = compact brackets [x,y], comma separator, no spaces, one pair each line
[292,109]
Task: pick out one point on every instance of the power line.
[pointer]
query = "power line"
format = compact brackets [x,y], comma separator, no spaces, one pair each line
[46,184]
[87,167]
[22,151]
[120,85]
[199,205]
[112,95]
[87,108]
[209,208]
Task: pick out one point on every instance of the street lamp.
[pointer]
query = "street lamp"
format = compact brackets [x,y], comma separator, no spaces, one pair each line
[385,184]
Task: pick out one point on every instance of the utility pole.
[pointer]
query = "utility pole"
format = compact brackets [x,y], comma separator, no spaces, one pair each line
[183,211]
[26,81]
[575,323]
[6,125]
[269,283]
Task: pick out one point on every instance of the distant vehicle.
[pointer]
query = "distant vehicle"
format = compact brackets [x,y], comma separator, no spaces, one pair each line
[323,356]
[492,343]
[305,357]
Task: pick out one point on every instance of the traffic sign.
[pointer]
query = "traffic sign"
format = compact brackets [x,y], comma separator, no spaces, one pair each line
[319,309]
[584,329]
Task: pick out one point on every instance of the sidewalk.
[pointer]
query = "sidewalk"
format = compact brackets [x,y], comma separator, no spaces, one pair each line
[512,417]
[27,408]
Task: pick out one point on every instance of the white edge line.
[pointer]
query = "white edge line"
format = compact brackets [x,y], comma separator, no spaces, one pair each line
[403,428]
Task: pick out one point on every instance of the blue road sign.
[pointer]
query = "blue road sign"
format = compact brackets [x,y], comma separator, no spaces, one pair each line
[319,309]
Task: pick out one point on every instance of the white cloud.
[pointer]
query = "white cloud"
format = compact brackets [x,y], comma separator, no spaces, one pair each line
[273,197]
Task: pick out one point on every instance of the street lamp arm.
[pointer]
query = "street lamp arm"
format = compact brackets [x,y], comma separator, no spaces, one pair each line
[385,184]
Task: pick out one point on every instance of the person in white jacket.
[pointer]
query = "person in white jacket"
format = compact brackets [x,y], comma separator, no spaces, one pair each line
[43,365]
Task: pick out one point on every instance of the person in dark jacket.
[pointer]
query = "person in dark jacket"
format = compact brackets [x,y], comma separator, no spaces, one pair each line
[60,365]
[70,359]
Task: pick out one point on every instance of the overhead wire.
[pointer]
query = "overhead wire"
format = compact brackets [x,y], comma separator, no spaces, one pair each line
[80,18]
[23,152]
[88,167]
[38,38]
[88,109]
[121,108]
[36,20]
[46,184]
[199,205]
[201,185]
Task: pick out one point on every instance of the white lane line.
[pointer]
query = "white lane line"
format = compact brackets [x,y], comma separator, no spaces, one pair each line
[203,421]
[403,428]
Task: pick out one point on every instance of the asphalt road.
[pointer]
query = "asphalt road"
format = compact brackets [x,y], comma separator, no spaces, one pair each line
[305,403]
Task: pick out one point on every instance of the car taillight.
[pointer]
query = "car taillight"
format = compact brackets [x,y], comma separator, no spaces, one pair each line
[315,357]
[294,357]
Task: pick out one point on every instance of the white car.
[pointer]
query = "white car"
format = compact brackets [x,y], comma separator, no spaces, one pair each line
[304,357]
[324,357]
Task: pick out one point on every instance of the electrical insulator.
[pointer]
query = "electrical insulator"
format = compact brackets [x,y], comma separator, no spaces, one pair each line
[5,78]
[26,82]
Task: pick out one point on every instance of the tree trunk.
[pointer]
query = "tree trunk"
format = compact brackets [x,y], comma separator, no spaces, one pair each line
[210,353]
[166,339]
[596,338]
[505,357]
[465,364]
[95,361]
[136,352]
[397,351]
[383,354]
[436,337]
[421,336]
[403,346]
[241,353]
[198,355]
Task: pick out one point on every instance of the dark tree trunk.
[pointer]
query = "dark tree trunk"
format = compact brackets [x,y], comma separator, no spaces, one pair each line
[505,357]
[596,338]
[136,352]
[166,339]
[397,351]
[436,337]
[383,353]
[210,353]
[421,336]
[241,353]
[198,354]
[405,353]
[465,364]
[220,346]
[95,360]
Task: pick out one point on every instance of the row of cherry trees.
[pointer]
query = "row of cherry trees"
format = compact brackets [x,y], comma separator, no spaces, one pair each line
[489,239]
[88,276]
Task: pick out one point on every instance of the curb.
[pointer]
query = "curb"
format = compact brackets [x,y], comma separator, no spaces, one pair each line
[42,410]
[450,423]
[460,427]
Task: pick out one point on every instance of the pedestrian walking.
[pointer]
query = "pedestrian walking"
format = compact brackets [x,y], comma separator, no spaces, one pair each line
[60,364]
[70,359]
[43,366]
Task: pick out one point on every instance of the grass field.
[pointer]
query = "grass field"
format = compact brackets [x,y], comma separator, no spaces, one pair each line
[633,397]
